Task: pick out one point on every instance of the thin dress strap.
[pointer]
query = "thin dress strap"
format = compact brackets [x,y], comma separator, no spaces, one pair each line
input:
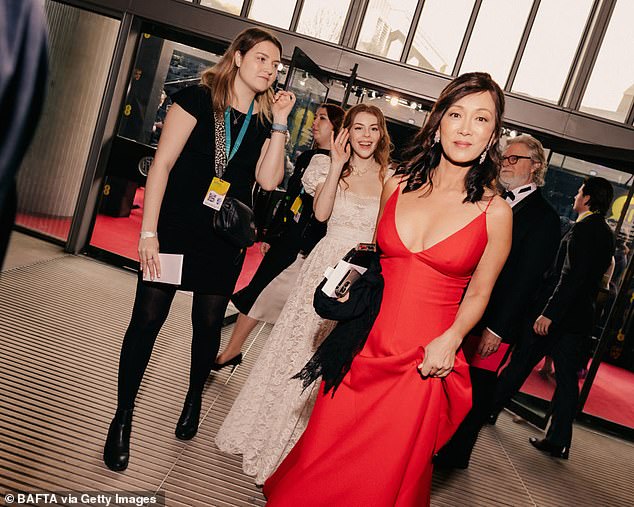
[489,204]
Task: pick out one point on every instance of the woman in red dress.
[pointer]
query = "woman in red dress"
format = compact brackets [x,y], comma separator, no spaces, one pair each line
[444,236]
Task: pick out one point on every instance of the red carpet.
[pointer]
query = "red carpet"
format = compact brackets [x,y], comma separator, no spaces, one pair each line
[121,235]
[55,227]
[610,397]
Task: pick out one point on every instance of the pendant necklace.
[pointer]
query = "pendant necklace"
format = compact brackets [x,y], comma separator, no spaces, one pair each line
[358,172]
[236,114]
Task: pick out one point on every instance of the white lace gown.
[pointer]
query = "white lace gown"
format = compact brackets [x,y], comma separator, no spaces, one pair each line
[271,412]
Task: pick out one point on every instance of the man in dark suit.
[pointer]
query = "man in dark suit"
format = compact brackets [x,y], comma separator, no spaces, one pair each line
[536,234]
[565,315]
[23,69]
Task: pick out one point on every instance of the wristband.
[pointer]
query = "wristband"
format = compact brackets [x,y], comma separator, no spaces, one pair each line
[279,127]
[147,234]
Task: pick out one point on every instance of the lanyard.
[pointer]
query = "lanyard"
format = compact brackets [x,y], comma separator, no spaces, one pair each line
[243,131]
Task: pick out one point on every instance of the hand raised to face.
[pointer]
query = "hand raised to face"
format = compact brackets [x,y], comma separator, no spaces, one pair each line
[340,148]
[283,103]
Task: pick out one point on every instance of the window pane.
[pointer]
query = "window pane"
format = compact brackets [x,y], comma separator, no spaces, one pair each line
[323,19]
[278,13]
[551,47]
[495,38]
[230,6]
[161,68]
[439,34]
[611,85]
[385,27]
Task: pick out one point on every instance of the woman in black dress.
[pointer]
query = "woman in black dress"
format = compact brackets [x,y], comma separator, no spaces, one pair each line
[177,220]
[295,231]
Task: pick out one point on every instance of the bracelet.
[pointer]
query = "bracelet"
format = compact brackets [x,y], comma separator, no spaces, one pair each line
[279,127]
[147,234]
[279,132]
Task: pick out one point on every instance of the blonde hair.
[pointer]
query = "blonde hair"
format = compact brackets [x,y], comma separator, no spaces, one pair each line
[537,154]
[219,78]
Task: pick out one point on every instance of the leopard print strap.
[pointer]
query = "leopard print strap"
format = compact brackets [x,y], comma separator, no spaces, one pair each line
[220,161]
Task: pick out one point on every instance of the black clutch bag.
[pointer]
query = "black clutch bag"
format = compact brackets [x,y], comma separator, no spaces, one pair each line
[348,270]
[361,255]
[234,222]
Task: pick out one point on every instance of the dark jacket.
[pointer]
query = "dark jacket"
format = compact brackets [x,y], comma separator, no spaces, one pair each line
[23,70]
[574,280]
[536,234]
[306,232]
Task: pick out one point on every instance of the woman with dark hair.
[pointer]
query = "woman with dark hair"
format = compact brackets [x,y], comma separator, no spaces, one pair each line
[296,232]
[187,166]
[272,410]
[444,236]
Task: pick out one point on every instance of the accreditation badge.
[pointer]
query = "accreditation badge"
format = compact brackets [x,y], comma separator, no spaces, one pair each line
[297,207]
[216,194]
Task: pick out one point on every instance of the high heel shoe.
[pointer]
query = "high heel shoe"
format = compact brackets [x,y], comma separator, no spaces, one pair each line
[187,425]
[234,361]
[116,451]
[556,451]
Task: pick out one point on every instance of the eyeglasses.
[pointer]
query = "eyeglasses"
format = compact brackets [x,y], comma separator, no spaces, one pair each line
[512,159]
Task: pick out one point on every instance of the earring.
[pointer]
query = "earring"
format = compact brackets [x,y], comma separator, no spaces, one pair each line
[484,153]
[436,137]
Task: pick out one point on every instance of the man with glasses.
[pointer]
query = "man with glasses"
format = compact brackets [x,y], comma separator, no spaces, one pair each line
[564,318]
[536,234]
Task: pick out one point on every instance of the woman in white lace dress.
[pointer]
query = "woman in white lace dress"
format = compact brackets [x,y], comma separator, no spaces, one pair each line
[271,411]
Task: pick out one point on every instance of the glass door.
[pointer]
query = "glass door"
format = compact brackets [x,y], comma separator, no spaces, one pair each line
[605,397]
[607,377]
[310,84]
[162,67]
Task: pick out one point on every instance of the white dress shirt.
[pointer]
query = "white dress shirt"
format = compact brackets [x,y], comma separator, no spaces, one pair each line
[521,192]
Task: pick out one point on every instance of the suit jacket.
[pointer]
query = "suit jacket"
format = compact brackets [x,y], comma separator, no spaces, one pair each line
[536,234]
[574,280]
[23,69]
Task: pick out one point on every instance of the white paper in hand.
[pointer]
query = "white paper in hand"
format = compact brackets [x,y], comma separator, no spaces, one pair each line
[337,274]
[171,269]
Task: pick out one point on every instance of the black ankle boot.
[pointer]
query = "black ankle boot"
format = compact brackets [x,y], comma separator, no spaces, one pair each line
[187,425]
[116,451]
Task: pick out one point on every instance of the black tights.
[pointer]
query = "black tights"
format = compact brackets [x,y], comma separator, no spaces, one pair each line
[151,308]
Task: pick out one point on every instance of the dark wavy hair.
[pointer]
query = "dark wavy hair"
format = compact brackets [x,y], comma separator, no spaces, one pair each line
[335,115]
[424,154]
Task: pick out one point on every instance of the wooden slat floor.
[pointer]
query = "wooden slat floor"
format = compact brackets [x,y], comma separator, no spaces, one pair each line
[62,319]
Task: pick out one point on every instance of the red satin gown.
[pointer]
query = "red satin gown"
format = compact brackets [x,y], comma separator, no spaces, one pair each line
[372,444]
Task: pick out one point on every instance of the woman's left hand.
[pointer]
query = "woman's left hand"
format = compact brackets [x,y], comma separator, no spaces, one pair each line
[440,355]
[283,103]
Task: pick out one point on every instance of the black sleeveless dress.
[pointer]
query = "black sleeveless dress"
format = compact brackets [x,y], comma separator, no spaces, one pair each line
[211,265]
